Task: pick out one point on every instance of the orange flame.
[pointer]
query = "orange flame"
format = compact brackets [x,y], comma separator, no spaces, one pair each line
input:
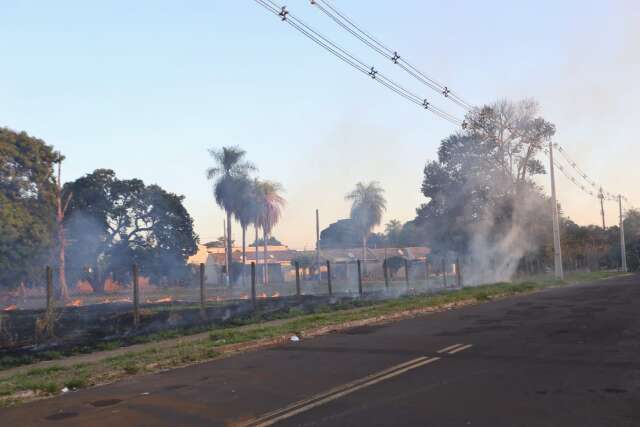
[111,286]
[262,295]
[275,295]
[112,300]
[11,307]
[161,300]
[84,287]
[244,296]
[75,303]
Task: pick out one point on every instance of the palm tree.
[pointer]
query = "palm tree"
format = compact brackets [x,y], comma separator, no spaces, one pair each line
[367,205]
[229,171]
[270,204]
[246,211]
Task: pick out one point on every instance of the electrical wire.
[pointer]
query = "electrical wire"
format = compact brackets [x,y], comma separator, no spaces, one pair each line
[353,61]
[349,25]
[583,175]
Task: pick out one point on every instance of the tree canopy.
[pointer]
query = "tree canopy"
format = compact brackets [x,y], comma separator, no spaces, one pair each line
[481,201]
[27,206]
[113,223]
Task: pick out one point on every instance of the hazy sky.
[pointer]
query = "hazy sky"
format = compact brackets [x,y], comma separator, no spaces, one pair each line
[146,87]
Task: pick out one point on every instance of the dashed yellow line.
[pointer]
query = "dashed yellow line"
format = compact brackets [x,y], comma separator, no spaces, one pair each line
[464,347]
[318,400]
[451,347]
[296,408]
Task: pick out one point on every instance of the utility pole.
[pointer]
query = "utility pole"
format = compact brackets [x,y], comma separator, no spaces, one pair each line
[318,242]
[557,250]
[601,197]
[623,251]
[226,256]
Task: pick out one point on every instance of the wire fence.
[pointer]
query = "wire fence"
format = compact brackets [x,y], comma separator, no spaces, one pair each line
[94,307]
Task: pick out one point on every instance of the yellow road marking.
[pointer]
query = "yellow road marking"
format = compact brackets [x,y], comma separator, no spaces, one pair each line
[451,347]
[340,388]
[318,400]
[464,347]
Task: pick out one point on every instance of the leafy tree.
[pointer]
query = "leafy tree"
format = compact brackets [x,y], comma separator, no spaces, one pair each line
[272,241]
[393,232]
[27,206]
[344,234]
[229,172]
[394,264]
[367,205]
[632,235]
[114,223]
[516,133]
[480,195]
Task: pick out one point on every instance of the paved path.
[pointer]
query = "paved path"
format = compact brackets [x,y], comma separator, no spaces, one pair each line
[562,357]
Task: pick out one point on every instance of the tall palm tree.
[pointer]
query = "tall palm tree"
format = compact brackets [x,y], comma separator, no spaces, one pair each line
[229,170]
[270,205]
[246,211]
[367,205]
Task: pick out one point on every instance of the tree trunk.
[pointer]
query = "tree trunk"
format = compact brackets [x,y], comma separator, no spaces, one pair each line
[266,270]
[364,255]
[229,254]
[244,250]
[255,242]
[244,244]
[64,289]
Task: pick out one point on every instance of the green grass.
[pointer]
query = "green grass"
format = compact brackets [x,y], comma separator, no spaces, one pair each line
[50,380]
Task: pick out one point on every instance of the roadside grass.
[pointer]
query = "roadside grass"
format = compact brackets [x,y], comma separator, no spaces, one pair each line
[43,382]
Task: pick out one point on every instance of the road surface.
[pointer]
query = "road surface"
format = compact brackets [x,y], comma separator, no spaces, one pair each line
[561,357]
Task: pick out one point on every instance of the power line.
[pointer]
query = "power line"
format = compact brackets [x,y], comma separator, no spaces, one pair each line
[349,25]
[571,178]
[583,175]
[353,61]
[365,37]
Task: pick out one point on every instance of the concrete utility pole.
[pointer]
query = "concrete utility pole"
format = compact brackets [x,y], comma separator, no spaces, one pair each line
[318,242]
[623,251]
[601,197]
[226,257]
[557,250]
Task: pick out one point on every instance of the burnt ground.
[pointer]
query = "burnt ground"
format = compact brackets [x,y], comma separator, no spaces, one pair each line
[561,357]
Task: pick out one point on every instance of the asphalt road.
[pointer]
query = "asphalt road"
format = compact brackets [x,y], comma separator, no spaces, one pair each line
[561,357]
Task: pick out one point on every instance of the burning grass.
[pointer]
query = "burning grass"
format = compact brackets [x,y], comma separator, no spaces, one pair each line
[43,382]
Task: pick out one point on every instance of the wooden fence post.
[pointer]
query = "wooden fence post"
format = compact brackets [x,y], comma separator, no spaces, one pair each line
[406,272]
[297,265]
[426,271]
[136,297]
[203,294]
[359,278]
[444,272]
[253,283]
[49,278]
[458,273]
[385,269]
[49,314]
[329,277]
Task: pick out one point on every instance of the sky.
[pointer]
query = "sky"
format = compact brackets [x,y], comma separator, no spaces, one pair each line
[147,87]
